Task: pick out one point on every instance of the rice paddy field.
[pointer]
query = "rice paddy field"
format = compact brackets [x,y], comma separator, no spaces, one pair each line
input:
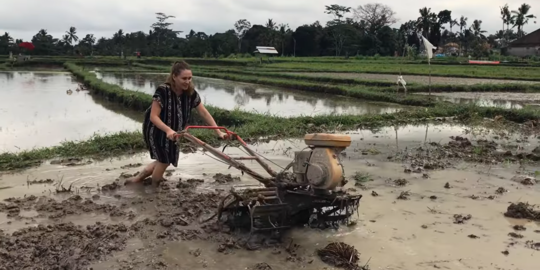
[461,145]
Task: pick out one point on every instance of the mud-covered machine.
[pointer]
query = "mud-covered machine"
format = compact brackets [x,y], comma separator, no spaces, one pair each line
[309,195]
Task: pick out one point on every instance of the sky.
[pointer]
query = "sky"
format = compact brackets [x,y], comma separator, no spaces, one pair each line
[24,18]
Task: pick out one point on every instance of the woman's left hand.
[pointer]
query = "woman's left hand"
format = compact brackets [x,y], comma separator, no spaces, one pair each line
[221,135]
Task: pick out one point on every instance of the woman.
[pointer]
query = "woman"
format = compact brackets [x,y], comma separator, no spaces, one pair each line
[169,113]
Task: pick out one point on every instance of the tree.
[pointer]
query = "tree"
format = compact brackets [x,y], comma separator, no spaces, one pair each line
[337,11]
[521,18]
[338,29]
[375,15]
[72,37]
[161,31]
[241,27]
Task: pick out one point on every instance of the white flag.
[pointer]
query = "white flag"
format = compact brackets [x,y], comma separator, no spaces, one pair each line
[429,47]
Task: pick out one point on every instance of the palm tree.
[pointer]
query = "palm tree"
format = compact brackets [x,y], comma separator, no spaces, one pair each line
[507,20]
[71,37]
[118,39]
[90,40]
[462,27]
[476,29]
[272,27]
[521,17]
[284,30]
[425,21]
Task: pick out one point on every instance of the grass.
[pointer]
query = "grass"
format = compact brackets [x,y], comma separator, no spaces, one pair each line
[475,71]
[389,86]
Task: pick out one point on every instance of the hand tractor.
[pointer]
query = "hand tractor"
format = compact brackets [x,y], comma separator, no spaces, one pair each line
[309,195]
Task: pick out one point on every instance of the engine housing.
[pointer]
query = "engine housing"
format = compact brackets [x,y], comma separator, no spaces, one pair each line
[321,166]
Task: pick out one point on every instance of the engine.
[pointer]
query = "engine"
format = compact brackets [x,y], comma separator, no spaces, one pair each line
[321,166]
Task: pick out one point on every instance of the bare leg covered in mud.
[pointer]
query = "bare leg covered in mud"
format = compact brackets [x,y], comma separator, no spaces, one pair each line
[155,169]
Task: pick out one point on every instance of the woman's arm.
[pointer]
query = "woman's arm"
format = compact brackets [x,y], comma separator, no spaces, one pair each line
[156,120]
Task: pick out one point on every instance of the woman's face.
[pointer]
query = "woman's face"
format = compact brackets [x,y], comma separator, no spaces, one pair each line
[184,79]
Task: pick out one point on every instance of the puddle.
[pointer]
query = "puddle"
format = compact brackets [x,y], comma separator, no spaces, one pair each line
[255,98]
[36,111]
[419,233]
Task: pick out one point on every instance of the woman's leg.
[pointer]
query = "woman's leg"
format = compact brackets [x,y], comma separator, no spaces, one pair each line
[159,170]
[146,172]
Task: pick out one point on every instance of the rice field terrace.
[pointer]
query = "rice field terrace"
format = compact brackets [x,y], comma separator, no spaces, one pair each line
[448,170]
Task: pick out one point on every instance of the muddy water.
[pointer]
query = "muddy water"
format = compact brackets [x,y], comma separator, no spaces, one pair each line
[412,78]
[37,111]
[491,99]
[418,233]
[256,98]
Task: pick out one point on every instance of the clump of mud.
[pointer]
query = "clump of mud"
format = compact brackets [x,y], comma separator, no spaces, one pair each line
[71,162]
[533,245]
[501,190]
[523,210]
[342,255]
[60,246]
[524,180]
[261,266]
[404,195]
[131,165]
[225,178]
[401,182]
[460,219]
[41,181]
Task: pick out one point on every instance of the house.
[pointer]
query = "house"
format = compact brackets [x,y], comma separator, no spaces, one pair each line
[528,45]
[262,51]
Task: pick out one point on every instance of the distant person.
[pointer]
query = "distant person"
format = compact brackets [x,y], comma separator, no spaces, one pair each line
[168,114]
[139,55]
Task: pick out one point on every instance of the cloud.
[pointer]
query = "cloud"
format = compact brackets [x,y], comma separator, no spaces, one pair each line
[24,18]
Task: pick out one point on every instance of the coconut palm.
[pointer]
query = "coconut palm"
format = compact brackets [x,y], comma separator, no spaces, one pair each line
[521,17]
[476,29]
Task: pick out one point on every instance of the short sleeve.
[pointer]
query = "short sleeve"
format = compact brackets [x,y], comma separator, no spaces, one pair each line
[159,95]
[195,99]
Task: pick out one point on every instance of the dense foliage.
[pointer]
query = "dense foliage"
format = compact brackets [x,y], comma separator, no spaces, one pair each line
[364,30]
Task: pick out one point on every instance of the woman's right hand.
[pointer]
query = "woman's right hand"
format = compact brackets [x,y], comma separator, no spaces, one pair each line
[171,135]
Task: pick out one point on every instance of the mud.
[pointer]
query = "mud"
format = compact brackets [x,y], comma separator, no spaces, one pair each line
[60,246]
[225,178]
[523,210]
[341,255]
[169,229]
[436,156]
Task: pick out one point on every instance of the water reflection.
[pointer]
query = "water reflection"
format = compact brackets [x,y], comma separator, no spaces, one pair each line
[256,98]
[35,111]
[485,102]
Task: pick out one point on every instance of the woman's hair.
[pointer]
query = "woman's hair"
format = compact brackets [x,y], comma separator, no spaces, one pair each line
[176,69]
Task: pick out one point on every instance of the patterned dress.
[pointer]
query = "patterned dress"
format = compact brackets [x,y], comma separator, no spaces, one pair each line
[175,113]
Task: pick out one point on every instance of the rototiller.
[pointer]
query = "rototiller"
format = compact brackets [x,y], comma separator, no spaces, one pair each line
[308,195]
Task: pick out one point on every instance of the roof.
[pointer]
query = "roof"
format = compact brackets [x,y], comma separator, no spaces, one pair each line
[266,50]
[530,40]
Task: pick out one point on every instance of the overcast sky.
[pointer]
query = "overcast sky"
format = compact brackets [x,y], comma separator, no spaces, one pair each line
[24,18]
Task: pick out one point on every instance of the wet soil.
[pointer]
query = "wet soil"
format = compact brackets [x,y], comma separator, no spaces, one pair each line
[429,227]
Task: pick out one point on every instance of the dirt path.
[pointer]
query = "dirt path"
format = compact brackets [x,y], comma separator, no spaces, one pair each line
[147,228]
[410,78]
